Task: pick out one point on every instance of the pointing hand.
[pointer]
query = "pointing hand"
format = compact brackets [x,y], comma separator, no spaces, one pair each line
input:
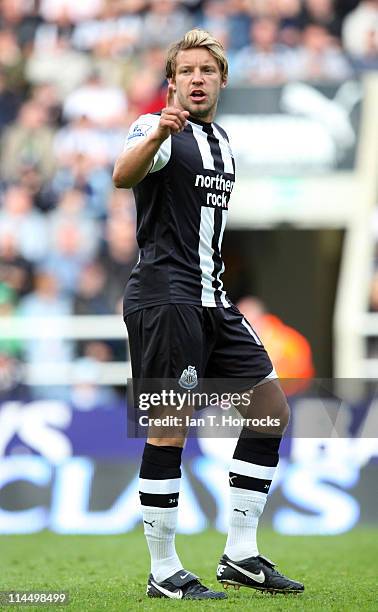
[173,119]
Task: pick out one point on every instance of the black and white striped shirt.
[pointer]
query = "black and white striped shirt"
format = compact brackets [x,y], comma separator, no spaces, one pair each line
[182,207]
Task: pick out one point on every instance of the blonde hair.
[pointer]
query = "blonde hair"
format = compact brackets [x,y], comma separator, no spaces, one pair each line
[192,40]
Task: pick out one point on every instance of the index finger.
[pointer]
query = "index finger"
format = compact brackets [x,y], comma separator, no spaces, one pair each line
[170,96]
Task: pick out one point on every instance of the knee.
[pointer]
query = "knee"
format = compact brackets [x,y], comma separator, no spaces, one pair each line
[269,400]
[284,414]
[280,408]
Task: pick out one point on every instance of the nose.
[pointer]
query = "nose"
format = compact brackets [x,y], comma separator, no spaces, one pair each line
[197,76]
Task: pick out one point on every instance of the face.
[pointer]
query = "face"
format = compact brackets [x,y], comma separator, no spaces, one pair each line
[198,82]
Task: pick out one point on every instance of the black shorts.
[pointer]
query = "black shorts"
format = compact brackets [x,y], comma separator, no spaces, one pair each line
[186,343]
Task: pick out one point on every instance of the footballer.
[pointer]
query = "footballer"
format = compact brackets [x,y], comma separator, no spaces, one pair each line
[181,323]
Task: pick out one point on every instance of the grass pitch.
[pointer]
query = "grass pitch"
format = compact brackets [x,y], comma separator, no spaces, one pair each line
[108,573]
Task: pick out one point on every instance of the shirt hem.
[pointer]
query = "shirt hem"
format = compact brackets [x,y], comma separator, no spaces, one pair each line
[131,309]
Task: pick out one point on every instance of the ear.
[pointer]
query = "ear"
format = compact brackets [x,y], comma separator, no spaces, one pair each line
[224,84]
[172,81]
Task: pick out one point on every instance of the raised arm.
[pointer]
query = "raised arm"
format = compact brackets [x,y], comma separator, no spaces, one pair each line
[135,163]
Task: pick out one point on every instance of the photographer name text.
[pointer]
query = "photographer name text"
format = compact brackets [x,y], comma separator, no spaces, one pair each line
[209,420]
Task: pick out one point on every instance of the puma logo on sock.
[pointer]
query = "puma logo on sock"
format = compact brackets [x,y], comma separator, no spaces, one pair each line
[148,523]
[237,510]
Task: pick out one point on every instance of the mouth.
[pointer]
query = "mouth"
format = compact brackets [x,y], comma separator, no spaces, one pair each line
[198,96]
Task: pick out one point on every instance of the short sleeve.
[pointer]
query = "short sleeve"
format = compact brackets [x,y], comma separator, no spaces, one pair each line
[139,130]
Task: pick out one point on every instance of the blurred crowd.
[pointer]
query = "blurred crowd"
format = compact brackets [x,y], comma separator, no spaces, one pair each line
[73,75]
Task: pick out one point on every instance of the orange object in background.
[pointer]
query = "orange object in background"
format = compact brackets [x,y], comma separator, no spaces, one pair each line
[289,351]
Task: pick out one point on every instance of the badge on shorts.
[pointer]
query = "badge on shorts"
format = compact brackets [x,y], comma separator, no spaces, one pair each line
[188,378]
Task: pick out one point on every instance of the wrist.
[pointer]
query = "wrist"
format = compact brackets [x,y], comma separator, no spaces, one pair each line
[157,137]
